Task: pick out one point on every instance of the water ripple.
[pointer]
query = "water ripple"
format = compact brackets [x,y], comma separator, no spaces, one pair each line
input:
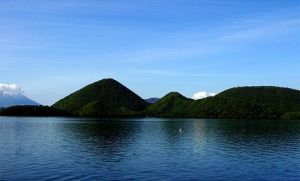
[147,149]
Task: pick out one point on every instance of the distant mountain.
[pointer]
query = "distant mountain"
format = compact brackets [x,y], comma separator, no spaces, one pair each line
[152,100]
[105,98]
[8,99]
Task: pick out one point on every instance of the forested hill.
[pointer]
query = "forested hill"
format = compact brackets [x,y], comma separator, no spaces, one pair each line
[238,103]
[171,105]
[105,98]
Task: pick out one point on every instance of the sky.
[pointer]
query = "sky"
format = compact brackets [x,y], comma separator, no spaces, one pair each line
[51,48]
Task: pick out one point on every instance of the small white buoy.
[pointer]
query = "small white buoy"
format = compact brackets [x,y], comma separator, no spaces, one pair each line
[180,130]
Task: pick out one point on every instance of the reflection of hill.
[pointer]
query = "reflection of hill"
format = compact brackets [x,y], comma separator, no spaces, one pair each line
[107,139]
[255,137]
[153,139]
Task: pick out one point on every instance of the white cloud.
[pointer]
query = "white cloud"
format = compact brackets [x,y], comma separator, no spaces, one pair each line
[202,94]
[10,88]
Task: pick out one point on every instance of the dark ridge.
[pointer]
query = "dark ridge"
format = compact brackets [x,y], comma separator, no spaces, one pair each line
[33,111]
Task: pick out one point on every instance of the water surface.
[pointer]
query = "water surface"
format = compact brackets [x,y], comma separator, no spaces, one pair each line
[148,149]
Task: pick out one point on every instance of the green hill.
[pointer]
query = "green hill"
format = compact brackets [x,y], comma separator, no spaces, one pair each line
[105,98]
[237,103]
[29,110]
[254,102]
[171,105]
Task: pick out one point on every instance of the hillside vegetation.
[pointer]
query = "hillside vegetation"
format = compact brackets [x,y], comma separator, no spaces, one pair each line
[237,103]
[105,98]
[172,105]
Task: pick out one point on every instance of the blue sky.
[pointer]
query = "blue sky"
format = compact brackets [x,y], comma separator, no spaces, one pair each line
[51,48]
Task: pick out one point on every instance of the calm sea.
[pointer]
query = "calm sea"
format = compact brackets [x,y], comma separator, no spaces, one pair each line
[148,149]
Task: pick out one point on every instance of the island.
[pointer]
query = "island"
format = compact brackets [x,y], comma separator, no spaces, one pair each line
[109,98]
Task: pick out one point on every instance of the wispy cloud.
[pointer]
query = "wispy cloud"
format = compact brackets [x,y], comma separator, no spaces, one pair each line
[174,45]
[237,34]
[181,74]
[267,30]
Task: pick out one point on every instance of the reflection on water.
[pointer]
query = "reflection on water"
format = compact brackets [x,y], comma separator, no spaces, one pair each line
[105,141]
[147,149]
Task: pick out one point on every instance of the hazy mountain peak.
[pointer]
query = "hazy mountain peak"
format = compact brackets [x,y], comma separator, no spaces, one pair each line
[152,100]
[11,95]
